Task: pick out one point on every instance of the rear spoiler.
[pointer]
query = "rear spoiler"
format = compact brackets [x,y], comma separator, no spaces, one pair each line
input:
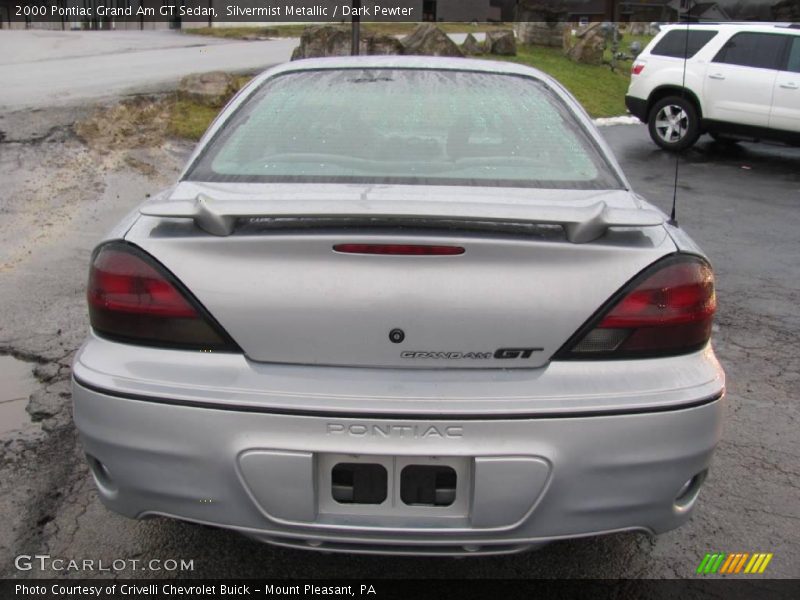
[580,224]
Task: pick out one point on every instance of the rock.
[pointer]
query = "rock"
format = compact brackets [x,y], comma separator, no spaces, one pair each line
[471,46]
[46,372]
[541,22]
[60,421]
[254,37]
[429,40]
[586,46]
[381,44]
[317,41]
[541,33]
[638,28]
[210,89]
[43,405]
[501,43]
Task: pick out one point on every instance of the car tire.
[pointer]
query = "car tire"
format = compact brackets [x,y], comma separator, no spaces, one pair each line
[673,123]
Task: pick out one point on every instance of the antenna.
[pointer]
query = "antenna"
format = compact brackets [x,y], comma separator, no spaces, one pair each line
[673,218]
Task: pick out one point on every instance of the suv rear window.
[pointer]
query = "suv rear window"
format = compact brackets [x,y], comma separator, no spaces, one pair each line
[794,57]
[675,44]
[758,50]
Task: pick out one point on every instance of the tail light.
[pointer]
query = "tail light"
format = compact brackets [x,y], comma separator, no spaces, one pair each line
[399,249]
[134,299]
[666,310]
[637,68]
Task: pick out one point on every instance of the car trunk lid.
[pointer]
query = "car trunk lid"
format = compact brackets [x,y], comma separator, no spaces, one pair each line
[511,299]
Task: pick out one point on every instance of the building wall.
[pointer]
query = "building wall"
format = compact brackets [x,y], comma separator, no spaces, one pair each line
[714,14]
[463,10]
[503,10]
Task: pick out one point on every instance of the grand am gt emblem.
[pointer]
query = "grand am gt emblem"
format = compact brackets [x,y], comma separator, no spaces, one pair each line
[500,353]
[395,431]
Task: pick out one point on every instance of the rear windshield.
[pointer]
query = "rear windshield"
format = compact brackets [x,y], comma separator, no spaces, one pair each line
[405,126]
[675,44]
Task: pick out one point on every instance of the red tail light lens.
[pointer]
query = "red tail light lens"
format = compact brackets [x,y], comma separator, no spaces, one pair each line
[134,299]
[667,310]
[637,68]
[399,249]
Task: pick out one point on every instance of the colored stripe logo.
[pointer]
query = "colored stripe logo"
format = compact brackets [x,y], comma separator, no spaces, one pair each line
[734,563]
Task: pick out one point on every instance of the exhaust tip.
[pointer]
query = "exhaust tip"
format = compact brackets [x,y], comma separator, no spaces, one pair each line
[689,491]
[102,477]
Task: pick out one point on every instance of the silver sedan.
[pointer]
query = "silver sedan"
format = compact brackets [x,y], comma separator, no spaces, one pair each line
[401,305]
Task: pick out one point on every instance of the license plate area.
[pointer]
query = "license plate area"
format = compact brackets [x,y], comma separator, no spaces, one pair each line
[394,486]
[359,483]
[428,485]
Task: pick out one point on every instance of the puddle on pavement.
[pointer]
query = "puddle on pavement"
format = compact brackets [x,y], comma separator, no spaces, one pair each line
[16,384]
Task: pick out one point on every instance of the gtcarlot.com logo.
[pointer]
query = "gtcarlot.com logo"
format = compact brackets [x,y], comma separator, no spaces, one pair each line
[736,563]
[45,562]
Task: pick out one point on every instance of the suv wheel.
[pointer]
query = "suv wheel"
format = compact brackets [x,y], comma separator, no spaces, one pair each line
[673,123]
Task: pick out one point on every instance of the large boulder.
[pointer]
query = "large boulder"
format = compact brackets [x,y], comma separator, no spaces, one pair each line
[541,22]
[638,28]
[501,43]
[541,33]
[471,46]
[210,89]
[587,45]
[381,44]
[335,40]
[317,41]
[429,40]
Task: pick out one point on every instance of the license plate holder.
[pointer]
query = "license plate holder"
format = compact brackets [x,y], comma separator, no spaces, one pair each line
[416,486]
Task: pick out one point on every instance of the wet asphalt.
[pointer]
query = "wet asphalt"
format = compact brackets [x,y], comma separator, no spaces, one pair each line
[740,203]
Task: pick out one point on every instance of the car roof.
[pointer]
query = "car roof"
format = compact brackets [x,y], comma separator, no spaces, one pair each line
[788,28]
[434,63]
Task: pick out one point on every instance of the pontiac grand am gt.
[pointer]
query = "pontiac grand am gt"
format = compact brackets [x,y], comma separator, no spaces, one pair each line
[401,305]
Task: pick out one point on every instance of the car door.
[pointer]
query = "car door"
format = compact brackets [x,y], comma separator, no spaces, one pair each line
[785,113]
[740,80]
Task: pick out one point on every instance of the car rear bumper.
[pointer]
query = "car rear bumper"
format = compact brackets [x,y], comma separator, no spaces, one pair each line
[637,107]
[521,481]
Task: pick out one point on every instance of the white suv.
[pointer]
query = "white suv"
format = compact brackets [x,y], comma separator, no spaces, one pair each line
[742,81]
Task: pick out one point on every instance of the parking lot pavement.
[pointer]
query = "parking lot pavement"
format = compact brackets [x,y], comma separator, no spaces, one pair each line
[60,68]
[741,204]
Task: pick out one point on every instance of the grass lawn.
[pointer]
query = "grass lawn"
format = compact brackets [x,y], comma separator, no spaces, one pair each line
[597,87]
[190,120]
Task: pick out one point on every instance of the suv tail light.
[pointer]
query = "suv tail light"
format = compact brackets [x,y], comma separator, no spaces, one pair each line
[666,310]
[134,299]
[637,68]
